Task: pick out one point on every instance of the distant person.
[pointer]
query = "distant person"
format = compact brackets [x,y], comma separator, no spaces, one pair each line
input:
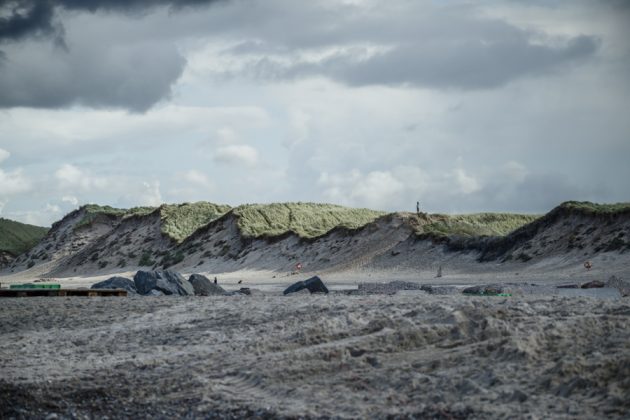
[215,280]
[418,208]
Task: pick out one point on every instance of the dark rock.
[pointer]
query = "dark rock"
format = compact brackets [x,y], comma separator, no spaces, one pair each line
[245,291]
[166,281]
[373,361]
[595,284]
[314,285]
[488,289]
[204,287]
[116,283]
[518,396]
[568,286]
[621,285]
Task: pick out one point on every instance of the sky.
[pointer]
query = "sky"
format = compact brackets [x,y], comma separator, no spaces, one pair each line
[464,106]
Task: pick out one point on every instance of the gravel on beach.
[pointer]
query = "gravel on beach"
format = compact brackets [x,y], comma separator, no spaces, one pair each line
[268,356]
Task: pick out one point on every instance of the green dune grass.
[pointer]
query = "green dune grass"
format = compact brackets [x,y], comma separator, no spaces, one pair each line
[310,220]
[92,211]
[17,238]
[478,224]
[179,221]
[595,208]
[307,220]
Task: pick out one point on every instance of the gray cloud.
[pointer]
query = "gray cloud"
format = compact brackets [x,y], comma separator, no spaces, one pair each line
[135,76]
[456,52]
[93,71]
[36,17]
[471,64]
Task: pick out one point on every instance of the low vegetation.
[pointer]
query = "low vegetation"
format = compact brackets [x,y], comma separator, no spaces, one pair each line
[179,221]
[146,259]
[17,238]
[479,224]
[594,208]
[307,220]
[92,211]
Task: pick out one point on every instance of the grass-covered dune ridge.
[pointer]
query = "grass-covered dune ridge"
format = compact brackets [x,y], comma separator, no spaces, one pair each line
[478,224]
[92,211]
[16,237]
[179,221]
[310,220]
[307,220]
[587,207]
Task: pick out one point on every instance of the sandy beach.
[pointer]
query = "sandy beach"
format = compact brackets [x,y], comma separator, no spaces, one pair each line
[405,355]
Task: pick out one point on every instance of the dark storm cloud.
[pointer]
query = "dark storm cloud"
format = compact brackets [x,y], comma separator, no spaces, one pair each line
[133,76]
[94,71]
[24,18]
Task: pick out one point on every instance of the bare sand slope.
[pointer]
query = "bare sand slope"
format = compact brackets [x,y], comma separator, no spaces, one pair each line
[302,355]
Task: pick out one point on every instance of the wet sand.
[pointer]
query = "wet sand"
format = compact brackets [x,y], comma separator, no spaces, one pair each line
[267,355]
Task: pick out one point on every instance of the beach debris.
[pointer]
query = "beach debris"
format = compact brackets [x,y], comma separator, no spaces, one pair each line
[166,281]
[387,288]
[35,286]
[588,265]
[116,282]
[568,286]
[204,287]
[439,290]
[314,285]
[622,285]
[595,284]
[487,290]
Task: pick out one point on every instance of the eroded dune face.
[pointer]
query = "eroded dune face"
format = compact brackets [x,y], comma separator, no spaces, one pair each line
[356,356]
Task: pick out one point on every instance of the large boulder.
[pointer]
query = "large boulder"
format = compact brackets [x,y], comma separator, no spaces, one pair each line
[204,287]
[116,283]
[314,285]
[166,281]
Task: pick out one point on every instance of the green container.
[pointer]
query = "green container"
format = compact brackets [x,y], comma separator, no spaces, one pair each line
[35,286]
